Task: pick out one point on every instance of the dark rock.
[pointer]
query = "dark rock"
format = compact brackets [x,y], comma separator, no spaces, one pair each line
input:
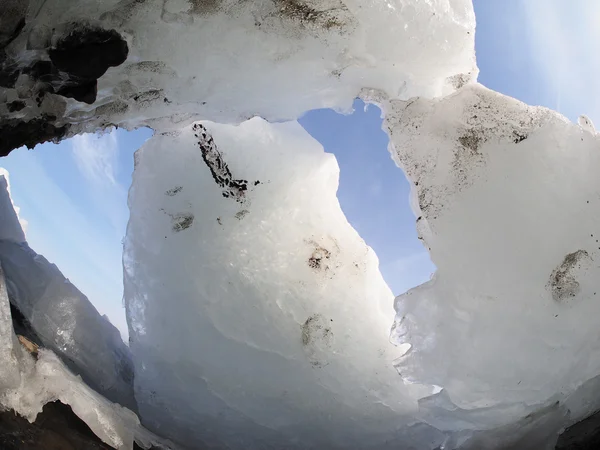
[22,326]
[88,52]
[12,18]
[16,133]
[85,92]
[17,105]
[42,70]
[9,71]
[213,158]
[57,427]
[79,58]
[584,435]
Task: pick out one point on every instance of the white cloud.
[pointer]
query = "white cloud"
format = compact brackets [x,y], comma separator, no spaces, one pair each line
[96,156]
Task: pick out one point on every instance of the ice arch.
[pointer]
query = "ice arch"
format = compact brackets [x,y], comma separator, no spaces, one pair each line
[70,66]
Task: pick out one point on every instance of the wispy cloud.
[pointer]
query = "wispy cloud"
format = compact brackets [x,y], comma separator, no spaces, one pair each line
[96,156]
[64,232]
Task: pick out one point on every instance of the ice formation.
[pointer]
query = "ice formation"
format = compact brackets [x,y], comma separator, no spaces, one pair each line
[164,63]
[28,382]
[257,315]
[489,170]
[276,307]
[62,317]
[586,123]
[500,324]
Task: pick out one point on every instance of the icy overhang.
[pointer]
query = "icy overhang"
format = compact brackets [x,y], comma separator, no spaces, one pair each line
[67,66]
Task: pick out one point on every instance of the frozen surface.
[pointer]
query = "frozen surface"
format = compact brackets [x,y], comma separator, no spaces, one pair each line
[60,315]
[47,380]
[227,60]
[258,316]
[242,272]
[244,275]
[508,202]
[28,382]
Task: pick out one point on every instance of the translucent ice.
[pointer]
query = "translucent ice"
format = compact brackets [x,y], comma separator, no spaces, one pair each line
[507,198]
[258,316]
[27,383]
[60,315]
[255,308]
[240,266]
[227,60]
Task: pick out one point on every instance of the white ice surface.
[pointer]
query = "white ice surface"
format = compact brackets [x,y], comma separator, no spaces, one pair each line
[47,379]
[227,60]
[508,201]
[28,383]
[66,322]
[262,317]
[219,284]
[239,336]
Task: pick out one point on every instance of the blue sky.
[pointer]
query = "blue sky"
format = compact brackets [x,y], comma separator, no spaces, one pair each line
[373,192]
[543,52]
[74,199]
[74,195]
